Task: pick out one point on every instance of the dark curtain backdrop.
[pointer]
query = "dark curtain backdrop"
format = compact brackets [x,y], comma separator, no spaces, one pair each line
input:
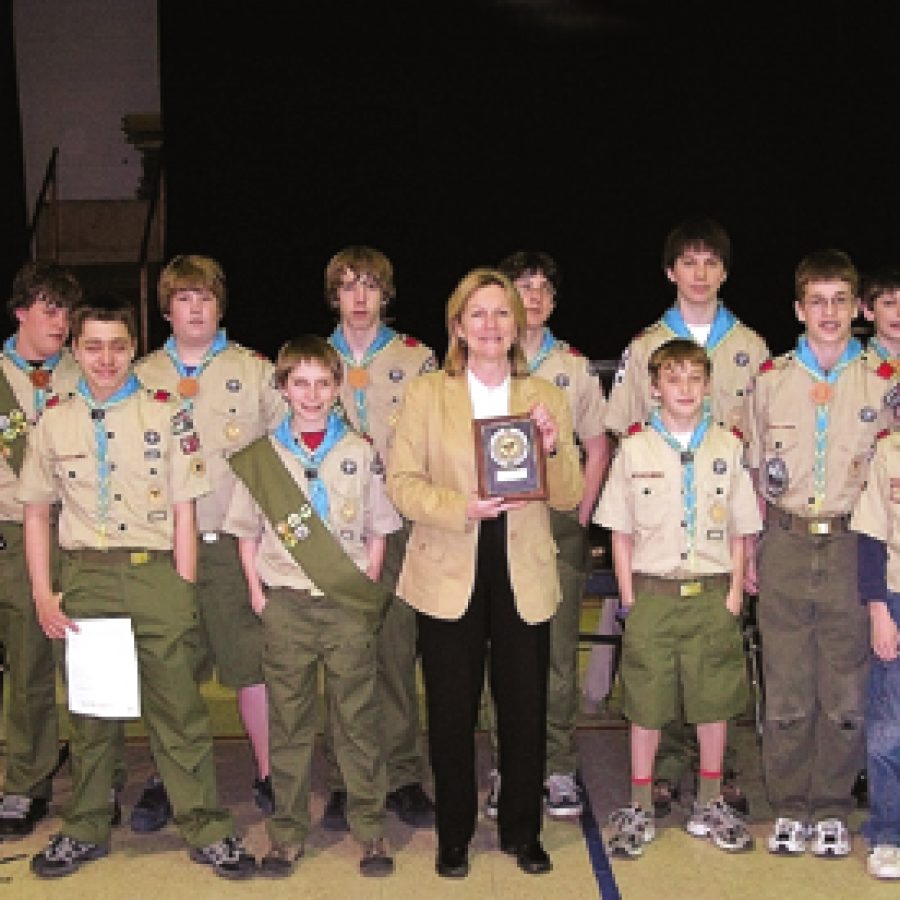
[450,134]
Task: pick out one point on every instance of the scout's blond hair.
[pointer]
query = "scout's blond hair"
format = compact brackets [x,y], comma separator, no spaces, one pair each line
[362,261]
[306,348]
[676,352]
[825,265]
[457,352]
[192,273]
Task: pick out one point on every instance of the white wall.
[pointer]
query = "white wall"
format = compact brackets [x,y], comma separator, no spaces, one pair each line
[82,65]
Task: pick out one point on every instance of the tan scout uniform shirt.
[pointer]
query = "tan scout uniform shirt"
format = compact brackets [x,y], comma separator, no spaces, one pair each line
[358,506]
[237,403]
[877,512]
[781,429]
[643,498]
[570,372]
[734,361]
[63,380]
[153,463]
[388,374]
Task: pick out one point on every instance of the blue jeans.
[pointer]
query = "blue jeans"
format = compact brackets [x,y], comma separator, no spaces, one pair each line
[883,745]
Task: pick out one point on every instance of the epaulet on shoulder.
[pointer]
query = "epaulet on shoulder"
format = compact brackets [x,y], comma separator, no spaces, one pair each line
[885,432]
[409,340]
[886,370]
[52,401]
[160,395]
[635,428]
[574,350]
[737,433]
[766,366]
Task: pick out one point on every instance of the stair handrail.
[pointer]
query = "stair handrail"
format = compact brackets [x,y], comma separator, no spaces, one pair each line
[51,184]
[154,204]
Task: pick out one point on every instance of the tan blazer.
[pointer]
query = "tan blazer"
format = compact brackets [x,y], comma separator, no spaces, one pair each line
[431,477]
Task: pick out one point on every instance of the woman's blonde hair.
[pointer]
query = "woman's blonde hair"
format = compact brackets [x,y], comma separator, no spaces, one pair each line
[457,352]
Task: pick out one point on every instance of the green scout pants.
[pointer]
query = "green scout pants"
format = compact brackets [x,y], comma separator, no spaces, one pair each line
[299,631]
[815,638]
[32,734]
[562,682]
[230,630]
[164,619]
[397,696]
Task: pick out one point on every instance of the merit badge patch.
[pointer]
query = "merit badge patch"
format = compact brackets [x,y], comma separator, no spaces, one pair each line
[777,478]
[182,422]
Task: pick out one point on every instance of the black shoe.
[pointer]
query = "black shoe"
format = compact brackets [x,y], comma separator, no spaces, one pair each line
[19,814]
[664,794]
[115,817]
[263,796]
[531,857]
[335,816]
[452,862]
[413,806]
[860,789]
[153,810]
[280,860]
[64,855]
[734,796]
[227,857]
[376,862]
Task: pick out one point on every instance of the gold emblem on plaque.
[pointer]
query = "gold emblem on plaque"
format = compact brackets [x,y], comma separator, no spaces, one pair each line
[508,447]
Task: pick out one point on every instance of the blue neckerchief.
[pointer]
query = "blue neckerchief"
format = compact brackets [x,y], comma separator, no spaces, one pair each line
[339,342]
[101,441]
[335,429]
[48,365]
[722,323]
[688,483]
[220,342]
[548,342]
[808,360]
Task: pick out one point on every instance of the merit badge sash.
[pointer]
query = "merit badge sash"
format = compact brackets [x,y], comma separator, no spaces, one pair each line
[12,426]
[302,531]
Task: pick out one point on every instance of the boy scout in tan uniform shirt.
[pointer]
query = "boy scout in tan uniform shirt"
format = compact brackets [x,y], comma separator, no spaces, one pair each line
[32,740]
[372,393]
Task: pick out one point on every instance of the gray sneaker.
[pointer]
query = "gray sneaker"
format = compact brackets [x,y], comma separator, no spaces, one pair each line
[632,830]
[64,855]
[564,800]
[227,857]
[717,821]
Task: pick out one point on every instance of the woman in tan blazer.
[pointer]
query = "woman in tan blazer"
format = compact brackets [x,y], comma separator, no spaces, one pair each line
[482,572]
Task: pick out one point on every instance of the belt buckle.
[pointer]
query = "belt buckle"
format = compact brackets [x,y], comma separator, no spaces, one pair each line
[139,557]
[209,537]
[690,588]
[819,527]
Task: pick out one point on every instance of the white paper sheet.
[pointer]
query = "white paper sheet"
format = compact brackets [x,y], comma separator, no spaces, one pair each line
[102,669]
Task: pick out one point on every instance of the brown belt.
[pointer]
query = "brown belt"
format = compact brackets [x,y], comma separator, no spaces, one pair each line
[680,587]
[117,556]
[815,525]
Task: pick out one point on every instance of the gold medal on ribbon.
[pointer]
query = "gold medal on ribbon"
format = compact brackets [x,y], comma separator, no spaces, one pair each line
[717,513]
[357,377]
[821,393]
[188,387]
[40,378]
[232,431]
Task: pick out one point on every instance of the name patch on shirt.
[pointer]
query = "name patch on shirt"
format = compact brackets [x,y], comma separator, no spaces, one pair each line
[648,474]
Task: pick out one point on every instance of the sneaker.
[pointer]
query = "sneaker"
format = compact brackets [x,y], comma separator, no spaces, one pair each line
[19,814]
[335,816]
[227,857]
[884,861]
[788,837]
[263,796]
[153,811]
[721,824]
[64,855]
[830,837]
[412,805]
[633,828]
[492,803]
[279,861]
[376,862]
[563,797]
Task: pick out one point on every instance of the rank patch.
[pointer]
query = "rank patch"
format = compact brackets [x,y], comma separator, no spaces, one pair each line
[233,385]
[741,358]
[151,437]
[348,467]
[868,414]
[561,380]
[396,375]
[720,467]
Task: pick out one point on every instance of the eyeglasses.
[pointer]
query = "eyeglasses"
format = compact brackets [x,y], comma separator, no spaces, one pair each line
[537,287]
[366,282]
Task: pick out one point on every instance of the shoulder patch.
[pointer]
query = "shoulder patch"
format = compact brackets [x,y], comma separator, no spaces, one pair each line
[410,341]
[635,428]
[737,433]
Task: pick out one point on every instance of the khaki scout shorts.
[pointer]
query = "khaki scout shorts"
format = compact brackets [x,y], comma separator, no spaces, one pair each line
[682,646]
[231,631]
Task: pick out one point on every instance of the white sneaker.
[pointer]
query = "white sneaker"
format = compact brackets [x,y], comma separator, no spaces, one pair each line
[830,837]
[632,829]
[721,824]
[788,837]
[492,804]
[563,797]
[884,861]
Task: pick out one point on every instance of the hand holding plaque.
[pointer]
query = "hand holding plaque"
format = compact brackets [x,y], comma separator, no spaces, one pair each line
[510,458]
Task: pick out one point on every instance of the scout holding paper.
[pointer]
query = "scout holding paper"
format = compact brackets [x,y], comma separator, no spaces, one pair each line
[311,516]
